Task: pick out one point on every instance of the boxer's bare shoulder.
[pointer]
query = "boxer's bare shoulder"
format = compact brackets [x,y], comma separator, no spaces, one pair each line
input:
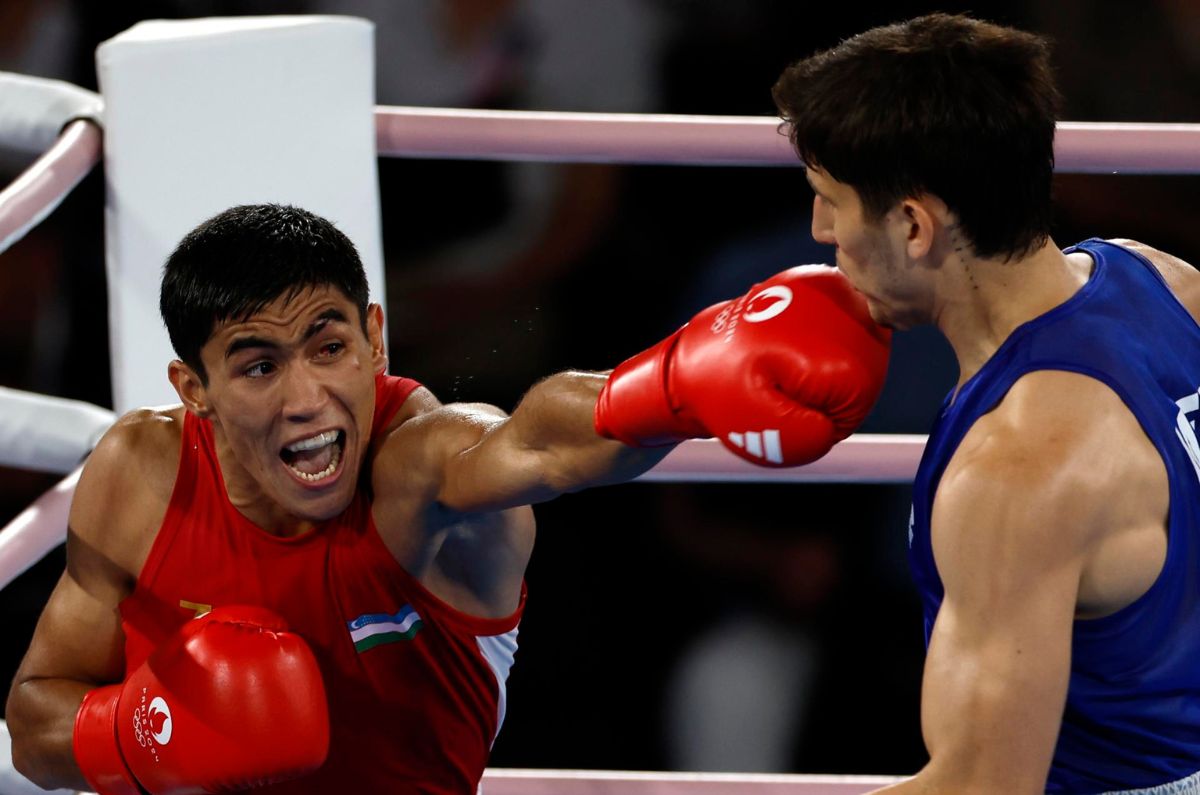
[473,560]
[420,402]
[1183,278]
[1063,451]
[126,486]
[410,469]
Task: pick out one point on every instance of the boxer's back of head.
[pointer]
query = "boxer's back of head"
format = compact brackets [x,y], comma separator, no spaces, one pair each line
[239,261]
[941,104]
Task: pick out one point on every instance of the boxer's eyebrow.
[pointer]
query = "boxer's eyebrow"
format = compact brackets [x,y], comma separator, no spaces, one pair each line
[323,319]
[242,343]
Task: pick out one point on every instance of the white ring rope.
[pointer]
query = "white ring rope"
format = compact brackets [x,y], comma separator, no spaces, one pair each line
[1080,147]
[34,110]
[48,434]
[47,118]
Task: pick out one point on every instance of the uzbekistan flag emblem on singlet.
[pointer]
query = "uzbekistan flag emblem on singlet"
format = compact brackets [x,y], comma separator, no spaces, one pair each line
[375,629]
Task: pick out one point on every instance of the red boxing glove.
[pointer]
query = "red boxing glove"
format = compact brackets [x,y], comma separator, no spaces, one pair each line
[778,375]
[231,701]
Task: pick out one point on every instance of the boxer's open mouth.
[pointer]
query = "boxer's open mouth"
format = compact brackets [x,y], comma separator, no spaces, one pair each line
[315,458]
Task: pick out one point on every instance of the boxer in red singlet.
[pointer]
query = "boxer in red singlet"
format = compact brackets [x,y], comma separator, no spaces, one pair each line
[309,575]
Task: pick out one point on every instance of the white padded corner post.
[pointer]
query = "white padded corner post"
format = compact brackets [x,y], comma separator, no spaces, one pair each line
[205,114]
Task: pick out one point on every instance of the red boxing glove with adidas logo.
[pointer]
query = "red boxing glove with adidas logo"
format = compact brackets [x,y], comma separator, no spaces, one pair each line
[231,701]
[779,375]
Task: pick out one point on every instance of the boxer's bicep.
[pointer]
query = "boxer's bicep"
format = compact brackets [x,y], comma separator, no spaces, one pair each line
[1010,534]
[79,633]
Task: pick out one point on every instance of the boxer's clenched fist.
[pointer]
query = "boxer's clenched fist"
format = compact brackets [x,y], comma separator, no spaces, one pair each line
[231,701]
[778,375]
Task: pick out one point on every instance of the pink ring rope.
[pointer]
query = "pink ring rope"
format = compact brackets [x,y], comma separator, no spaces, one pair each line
[626,138]
[1081,147]
[43,186]
[613,782]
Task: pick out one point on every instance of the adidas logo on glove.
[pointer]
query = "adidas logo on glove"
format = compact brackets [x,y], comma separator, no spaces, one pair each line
[764,444]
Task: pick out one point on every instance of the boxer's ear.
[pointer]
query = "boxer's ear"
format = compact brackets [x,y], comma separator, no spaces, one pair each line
[374,326]
[190,388]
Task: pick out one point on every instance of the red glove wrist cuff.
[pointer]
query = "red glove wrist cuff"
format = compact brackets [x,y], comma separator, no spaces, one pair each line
[635,407]
[94,743]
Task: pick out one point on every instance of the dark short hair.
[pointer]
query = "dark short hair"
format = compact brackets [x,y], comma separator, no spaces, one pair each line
[237,262]
[941,104]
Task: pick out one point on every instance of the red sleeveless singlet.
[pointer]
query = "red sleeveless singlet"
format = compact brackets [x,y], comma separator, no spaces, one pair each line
[416,688]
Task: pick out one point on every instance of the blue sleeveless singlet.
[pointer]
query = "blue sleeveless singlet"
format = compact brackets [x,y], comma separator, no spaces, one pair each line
[1132,717]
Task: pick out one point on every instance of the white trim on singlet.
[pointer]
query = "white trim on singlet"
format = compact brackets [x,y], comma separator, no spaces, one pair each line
[1184,786]
[499,652]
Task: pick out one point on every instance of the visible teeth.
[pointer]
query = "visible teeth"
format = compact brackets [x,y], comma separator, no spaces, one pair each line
[324,473]
[320,440]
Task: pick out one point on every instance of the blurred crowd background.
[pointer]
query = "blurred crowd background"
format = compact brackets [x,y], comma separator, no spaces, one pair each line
[676,627]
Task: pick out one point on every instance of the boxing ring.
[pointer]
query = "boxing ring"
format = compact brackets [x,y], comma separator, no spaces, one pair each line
[53,435]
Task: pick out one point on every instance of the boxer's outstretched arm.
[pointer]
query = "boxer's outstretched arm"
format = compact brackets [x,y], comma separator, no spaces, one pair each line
[487,461]
[778,375]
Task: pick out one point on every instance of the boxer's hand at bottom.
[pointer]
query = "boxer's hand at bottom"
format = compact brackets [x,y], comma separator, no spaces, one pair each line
[231,701]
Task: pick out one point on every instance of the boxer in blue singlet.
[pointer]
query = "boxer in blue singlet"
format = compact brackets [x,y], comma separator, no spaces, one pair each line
[1055,533]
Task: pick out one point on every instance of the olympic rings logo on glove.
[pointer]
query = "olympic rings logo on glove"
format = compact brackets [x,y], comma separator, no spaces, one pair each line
[152,723]
[722,318]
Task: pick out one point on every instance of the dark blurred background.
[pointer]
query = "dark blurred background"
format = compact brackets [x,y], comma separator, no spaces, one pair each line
[714,627]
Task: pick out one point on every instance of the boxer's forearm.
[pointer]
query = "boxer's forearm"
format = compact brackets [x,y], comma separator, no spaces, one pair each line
[558,417]
[549,446]
[41,720]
